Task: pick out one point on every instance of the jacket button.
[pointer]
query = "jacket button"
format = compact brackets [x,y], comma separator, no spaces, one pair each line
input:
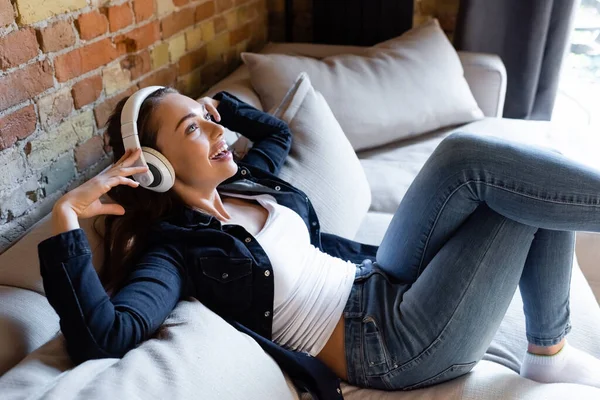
[267,273]
[339,390]
[243,172]
[248,240]
[225,276]
[267,313]
[277,187]
[314,223]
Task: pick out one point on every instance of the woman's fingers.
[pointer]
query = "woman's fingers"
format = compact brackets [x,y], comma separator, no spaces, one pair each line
[121,180]
[128,171]
[113,209]
[128,158]
[213,111]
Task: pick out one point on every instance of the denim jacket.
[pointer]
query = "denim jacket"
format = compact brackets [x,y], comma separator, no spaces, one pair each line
[190,253]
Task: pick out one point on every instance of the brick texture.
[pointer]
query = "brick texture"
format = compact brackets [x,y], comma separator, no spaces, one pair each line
[163,77]
[91,25]
[138,39]
[31,11]
[137,64]
[164,7]
[17,125]
[89,153]
[25,83]
[238,35]
[176,22]
[223,5]
[58,174]
[17,48]
[87,91]
[192,60]
[56,36]
[220,24]
[205,10]
[160,55]
[180,3]
[103,111]
[114,78]
[7,13]
[84,59]
[193,38]
[119,17]
[54,107]
[143,9]
[13,167]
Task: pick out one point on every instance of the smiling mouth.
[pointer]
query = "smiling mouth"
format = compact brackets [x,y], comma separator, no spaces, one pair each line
[222,152]
[221,155]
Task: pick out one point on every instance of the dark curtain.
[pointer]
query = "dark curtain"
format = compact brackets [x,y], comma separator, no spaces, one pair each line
[531,37]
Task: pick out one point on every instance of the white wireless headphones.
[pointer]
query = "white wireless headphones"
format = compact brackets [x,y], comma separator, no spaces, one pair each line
[160,176]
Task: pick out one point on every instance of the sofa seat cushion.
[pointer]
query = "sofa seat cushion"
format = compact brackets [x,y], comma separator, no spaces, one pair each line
[391,168]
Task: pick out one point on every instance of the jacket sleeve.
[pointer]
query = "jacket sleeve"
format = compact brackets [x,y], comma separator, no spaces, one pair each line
[271,137]
[94,325]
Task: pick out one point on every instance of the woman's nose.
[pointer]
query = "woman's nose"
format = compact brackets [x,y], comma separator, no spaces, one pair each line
[217,130]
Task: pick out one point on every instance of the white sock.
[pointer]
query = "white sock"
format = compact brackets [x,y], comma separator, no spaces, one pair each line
[569,365]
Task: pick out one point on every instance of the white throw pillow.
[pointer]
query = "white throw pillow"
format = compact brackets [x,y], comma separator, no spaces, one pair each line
[401,88]
[322,162]
[194,355]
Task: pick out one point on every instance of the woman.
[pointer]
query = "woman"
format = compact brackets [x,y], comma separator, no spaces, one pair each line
[482,217]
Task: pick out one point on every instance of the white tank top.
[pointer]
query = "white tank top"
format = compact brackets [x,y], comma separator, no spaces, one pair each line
[311,287]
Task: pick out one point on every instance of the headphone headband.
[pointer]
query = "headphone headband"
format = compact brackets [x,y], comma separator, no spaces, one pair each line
[129,131]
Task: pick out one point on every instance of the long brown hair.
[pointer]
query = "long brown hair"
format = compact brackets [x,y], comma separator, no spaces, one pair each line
[125,235]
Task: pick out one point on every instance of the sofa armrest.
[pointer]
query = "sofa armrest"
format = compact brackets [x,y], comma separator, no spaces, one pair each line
[486,75]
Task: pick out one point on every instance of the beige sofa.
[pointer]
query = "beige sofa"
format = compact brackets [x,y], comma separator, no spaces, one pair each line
[198,355]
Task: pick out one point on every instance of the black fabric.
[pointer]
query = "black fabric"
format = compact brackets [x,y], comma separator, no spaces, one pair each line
[531,37]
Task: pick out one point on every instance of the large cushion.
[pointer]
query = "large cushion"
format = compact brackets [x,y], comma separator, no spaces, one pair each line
[405,87]
[194,355]
[26,322]
[322,162]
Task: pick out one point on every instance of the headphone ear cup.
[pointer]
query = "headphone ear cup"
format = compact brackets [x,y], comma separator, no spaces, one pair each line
[161,169]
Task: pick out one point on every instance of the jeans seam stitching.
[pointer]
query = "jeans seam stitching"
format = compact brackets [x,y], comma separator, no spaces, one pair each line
[495,186]
[459,303]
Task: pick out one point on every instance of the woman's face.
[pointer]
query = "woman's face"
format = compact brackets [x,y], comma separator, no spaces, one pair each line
[188,138]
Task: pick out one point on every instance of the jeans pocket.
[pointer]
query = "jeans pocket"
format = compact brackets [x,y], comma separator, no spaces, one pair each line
[449,373]
[376,354]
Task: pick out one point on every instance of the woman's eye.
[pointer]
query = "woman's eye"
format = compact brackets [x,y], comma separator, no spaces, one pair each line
[191,128]
[208,117]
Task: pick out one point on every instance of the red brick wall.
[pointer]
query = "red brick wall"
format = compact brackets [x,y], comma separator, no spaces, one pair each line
[64,64]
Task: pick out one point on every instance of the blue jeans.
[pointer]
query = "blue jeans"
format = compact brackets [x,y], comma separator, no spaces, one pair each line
[483,216]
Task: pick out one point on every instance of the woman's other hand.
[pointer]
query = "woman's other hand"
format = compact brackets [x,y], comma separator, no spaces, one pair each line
[211,106]
[84,201]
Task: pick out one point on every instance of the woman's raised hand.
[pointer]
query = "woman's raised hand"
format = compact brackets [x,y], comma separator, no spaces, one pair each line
[84,200]
[211,106]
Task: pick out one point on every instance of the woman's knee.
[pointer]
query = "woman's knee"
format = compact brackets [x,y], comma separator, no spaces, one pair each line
[462,148]
[457,148]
